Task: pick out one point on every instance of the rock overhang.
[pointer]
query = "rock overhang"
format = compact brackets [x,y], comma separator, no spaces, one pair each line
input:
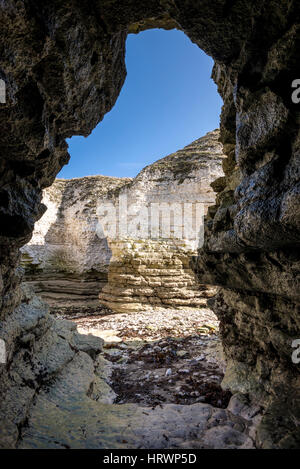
[67,71]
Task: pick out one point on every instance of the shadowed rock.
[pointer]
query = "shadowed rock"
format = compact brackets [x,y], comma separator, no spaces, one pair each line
[63,64]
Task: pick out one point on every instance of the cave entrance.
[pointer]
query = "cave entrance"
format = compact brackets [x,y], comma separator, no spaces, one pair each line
[167,101]
[159,331]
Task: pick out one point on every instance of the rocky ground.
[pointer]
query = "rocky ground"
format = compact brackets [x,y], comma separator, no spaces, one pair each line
[150,386]
[162,356]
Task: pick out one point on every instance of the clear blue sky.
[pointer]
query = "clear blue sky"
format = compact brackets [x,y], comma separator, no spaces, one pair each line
[168,100]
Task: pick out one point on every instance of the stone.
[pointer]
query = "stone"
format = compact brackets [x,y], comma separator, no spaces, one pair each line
[89,344]
[68,264]
[101,392]
[142,271]
[226,437]
[181,353]
[65,261]
[62,76]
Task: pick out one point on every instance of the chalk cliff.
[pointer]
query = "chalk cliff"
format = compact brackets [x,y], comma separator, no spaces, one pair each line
[63,62]
[68,262]
[65,261]
[165,206]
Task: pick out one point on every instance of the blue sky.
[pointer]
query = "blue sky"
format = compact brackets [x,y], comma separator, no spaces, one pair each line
[168,100]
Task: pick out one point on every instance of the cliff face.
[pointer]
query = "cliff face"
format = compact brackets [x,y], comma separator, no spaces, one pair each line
[147,274]
[63,64]
[165,206]
[251,248]
[65,261]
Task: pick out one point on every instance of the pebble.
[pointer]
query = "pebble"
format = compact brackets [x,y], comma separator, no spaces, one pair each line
[122,360]
[201,399]
[200,358]
[181,353]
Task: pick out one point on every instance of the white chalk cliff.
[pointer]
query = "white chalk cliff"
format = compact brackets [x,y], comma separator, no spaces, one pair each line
[100,232]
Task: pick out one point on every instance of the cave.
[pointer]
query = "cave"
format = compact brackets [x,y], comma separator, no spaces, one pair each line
[63,69]
[69,260]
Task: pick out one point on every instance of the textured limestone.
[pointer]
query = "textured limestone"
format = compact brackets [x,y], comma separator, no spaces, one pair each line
[155,270]
[252,243]
[78,422]
[63,63]
[59,397]
[65,261]
[39,350]
[145,274]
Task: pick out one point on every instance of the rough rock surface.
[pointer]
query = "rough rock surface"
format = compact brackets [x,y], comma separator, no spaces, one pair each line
[76,421]
[65,261]
[168,356]
[156,270]
[39,350]
[150,262]
[55,394]
[63,64]
[145,273]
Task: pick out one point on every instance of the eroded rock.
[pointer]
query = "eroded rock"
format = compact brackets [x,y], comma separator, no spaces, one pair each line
[70,254]
[65,261]
[63,63]
[150,264]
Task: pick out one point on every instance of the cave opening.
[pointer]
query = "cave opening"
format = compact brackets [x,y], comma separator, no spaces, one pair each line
[160,335]
[63,69]
[167,101]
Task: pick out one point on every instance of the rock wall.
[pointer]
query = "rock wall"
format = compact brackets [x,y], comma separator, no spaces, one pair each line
[65,261]
[163,210]
[251,245]
[63,64]
[150,274]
